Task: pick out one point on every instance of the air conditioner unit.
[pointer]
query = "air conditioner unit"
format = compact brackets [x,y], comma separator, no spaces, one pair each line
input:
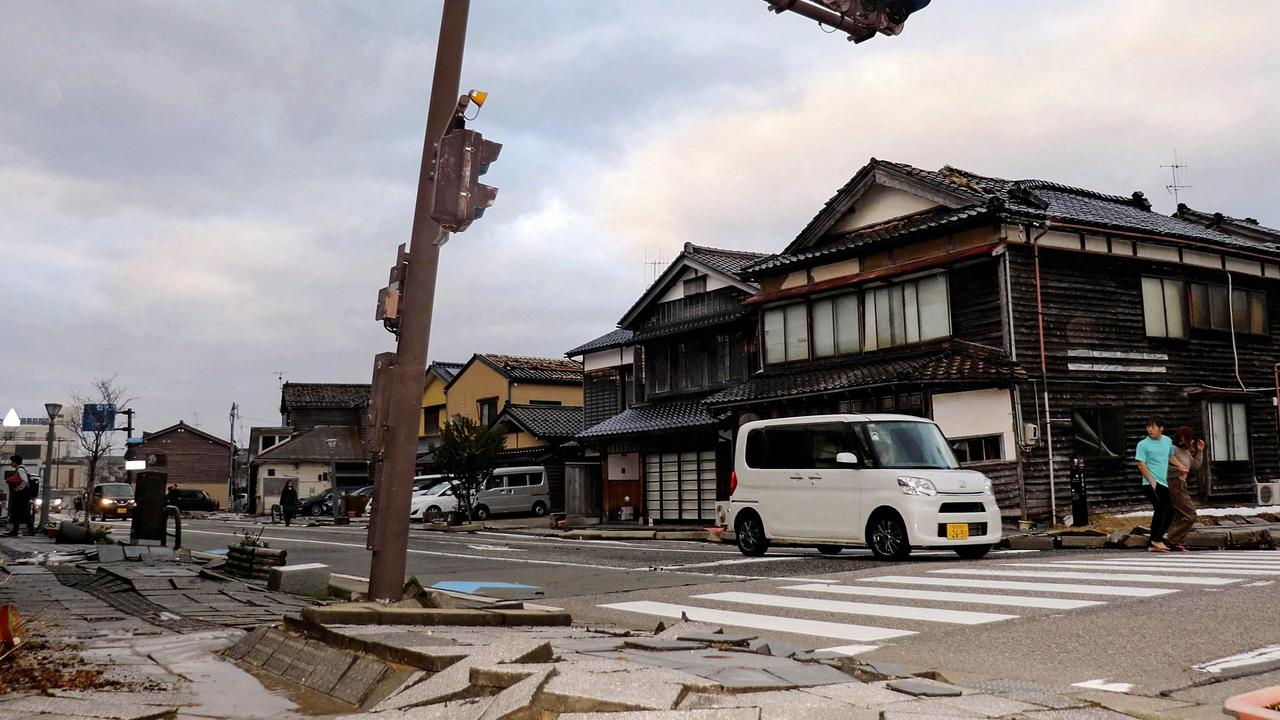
[1269,493]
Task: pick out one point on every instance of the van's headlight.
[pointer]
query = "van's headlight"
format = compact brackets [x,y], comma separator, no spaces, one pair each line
[917,486]
[987,488]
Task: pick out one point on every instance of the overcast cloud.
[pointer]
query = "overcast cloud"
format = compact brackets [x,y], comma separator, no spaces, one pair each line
[195,196]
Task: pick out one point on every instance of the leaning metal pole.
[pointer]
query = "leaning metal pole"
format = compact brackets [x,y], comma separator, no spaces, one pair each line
[409,374]
[47,480]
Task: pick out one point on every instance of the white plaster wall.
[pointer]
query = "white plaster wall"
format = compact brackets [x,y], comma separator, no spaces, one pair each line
[613,357]
[676,291]
[974,413]
[880,203]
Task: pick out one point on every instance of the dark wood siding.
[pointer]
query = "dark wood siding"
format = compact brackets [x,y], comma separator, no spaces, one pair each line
[975,303]
[600,396]
[1094,303]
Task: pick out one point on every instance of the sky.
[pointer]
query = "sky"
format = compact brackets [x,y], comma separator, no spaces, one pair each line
[199,199]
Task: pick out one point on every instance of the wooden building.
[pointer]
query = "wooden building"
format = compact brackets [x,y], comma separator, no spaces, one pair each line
[661,451]
[189,457]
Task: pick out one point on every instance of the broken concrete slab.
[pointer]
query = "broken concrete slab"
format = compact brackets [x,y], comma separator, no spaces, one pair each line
[363,613]
[1082,542]
[518,702]
[1032,542]
[925,688]
[709,714]
[780,705]
[310,579]
[359,680]
[859,694]
[642,689]
[716,638]
[661,645]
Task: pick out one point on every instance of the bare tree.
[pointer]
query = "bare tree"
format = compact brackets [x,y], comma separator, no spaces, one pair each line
[95,443]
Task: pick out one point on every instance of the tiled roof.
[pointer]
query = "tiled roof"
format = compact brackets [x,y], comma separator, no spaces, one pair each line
[323,395]
[695,324]
[1249,226]
[545,421]
[729,262]
[972,196]
[660,416]
[954,362]
[555,371]
[311,446]
[616,338]
[943,217]
[446,370]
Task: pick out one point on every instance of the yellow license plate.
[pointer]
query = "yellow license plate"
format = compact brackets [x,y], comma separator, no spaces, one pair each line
[957,531]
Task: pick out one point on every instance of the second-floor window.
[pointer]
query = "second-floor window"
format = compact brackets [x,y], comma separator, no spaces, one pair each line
[1171,308]
[786,333]
[907,312]
[488,411]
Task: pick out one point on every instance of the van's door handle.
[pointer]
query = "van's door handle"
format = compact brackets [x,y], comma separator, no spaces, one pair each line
[815,477]
[797,477]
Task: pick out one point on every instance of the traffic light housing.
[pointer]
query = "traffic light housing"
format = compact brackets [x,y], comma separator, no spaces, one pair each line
[461,158]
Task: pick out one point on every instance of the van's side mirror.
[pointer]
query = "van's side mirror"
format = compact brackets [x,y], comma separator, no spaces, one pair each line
[846,458]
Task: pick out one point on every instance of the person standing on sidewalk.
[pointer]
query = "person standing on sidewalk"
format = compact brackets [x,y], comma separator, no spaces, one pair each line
[19,481]
[1188,455]
[288,502]
[1153,455]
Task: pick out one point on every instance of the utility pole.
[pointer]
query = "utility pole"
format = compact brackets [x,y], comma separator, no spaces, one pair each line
[231,472]
[389,533]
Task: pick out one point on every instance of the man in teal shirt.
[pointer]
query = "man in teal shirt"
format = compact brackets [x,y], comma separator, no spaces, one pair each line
[1153,455]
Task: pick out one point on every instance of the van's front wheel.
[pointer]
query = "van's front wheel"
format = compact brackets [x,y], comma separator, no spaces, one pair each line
[751,538]
[888,537]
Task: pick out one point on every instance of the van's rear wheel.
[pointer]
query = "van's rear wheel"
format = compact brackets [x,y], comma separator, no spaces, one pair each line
[830,549]
[539,508]
[482,512]
[973,552]
[887,537]
[752,541]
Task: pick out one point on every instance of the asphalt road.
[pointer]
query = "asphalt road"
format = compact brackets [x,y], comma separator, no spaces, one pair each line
[1059,618]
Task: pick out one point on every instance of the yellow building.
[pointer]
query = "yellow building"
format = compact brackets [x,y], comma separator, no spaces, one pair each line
[434,415]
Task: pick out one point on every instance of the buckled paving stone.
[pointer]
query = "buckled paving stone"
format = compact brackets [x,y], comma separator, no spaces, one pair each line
[304,663]
[330,666]
[262,649]
[1034,693]
[588,644]
[709,714]
[641,689]
[110,553]
[859,694]
[744,678]
[1089,713]
[716,638]
[781,705]
[987,705]
[1139,706]
[72,708]
[359,680]
[801,675]
[660,645]
[503,675]
[237,651]
[925,688]
[285,653]
[1082,542]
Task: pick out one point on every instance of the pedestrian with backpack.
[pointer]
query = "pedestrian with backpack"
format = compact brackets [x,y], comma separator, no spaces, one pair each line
[19,482]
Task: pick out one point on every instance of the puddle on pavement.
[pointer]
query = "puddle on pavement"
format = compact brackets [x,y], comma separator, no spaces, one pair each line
[221,689]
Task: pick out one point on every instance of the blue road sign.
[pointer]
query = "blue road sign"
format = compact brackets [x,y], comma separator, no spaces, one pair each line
[99,418]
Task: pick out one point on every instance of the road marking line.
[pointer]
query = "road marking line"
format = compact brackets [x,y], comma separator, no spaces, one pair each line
[620,544]
[900,612]
[1147,567]
[959,597]
[805,580]
[349,577]
[737,561]
[1274,567]
[1260,583]
[1253,657]
[415,551]
[1103,685]
[1127,577]
[1116,590]
[1180,559]
[819,628]
[849,649]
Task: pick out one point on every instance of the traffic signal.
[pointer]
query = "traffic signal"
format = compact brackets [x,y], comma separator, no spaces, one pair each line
[461,158]
[861,19]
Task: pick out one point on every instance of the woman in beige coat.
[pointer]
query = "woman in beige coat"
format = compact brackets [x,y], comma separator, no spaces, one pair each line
[1188,455]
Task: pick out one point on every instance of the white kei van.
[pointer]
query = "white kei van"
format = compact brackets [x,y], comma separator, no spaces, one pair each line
[889,482]
[514,490]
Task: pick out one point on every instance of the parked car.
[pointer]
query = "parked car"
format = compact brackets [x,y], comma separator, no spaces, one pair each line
[514,490]
[886,481]
[189,500]
[112,500]
[317,505]
[421,483]
[434,499]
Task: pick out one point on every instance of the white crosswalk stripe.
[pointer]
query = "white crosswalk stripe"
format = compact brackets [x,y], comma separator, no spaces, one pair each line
[1070,588]
[941,596]
[901,612]
[820,628]
[1069,575]
[1152,567]
[904,605]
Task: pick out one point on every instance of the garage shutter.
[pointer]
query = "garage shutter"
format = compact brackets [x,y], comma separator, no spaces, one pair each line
[680,485]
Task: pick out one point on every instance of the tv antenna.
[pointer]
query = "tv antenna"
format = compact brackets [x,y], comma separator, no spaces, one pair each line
[1175,186]
[652,265]
[279,377]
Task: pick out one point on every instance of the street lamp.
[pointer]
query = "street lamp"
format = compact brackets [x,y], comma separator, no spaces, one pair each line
[333,477]
[52,409]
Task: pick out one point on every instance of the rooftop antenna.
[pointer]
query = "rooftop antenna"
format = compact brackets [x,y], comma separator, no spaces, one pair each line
[279,377]
[1175,186]
[653,264]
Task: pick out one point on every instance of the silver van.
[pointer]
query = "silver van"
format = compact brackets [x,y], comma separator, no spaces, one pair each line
[514,490]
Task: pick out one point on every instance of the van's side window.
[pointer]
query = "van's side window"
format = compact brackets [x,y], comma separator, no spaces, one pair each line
[492,483]
[520,480]
[798,447]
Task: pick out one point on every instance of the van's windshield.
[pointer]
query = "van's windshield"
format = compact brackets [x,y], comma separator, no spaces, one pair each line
[904,444]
